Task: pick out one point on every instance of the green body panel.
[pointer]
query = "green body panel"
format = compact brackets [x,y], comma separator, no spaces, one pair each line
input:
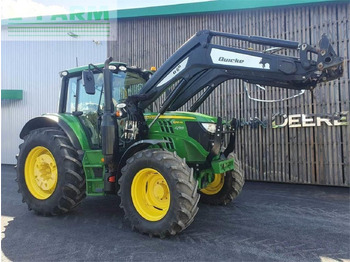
[74,123]
[171,126]
[188,116]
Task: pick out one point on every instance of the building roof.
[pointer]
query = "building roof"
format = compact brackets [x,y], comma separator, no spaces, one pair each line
[208,7]
[179,9]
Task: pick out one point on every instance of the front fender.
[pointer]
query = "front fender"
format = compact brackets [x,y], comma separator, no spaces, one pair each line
[138,146]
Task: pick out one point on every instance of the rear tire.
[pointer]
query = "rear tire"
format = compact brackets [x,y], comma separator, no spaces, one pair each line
[49,174]
[231,188]
[158,193]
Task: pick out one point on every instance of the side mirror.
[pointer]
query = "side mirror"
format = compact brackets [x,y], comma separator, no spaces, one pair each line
[88,82]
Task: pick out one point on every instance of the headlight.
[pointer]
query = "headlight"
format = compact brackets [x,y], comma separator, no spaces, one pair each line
[210,127]
[64,73]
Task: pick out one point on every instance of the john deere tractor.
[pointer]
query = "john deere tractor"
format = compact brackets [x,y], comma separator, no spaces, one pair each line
[106,139]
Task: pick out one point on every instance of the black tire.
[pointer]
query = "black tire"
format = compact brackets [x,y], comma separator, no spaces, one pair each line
[182,186]
[233,184]
[70,187]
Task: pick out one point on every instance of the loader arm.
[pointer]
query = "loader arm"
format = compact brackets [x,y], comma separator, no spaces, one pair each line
[199,64]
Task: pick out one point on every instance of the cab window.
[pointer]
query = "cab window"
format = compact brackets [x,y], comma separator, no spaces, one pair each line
[90,107]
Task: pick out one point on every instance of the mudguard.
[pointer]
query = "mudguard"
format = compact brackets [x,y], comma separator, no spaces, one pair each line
[47,121]
[138,146]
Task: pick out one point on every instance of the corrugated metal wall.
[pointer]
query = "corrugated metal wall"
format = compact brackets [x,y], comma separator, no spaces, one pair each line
[312,155]
[34,67]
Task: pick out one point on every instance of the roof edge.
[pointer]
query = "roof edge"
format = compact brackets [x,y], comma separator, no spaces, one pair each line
[179,9]
[210,7]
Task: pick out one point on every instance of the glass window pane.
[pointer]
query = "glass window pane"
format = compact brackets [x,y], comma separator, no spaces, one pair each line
[71,94]
[91,103]
[125,84]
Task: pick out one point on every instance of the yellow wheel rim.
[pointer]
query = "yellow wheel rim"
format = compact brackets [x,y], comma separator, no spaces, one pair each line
[215,186]
[150,194]
[40,173]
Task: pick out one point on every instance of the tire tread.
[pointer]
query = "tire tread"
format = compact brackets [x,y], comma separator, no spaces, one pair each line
[187,199]
[73,189]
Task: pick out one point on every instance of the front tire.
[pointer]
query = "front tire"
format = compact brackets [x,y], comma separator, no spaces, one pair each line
[225,187]
[49,175]
[158,193]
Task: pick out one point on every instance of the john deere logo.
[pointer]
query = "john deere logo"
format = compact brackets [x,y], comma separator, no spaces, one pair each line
[281,120]
[231,60]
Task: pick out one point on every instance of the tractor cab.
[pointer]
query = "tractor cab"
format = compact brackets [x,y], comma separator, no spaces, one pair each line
[87,105]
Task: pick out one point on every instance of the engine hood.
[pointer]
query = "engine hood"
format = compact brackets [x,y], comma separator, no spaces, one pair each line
[181,116]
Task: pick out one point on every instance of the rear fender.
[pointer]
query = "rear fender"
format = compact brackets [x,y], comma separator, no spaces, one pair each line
[48,121]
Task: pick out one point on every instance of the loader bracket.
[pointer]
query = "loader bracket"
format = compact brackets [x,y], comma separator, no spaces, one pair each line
[232,140]
[215,150]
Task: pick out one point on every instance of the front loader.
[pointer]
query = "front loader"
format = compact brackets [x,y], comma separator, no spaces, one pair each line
[106,139]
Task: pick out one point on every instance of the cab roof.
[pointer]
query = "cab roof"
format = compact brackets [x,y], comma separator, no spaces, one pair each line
[85,67]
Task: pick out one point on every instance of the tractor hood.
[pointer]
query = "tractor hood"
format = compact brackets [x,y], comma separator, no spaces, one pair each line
[180,116]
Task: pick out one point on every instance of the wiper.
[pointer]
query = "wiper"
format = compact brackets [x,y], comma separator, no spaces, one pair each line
[95,67]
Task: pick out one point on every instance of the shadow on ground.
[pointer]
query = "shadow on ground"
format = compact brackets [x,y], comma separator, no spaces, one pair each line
[268,222]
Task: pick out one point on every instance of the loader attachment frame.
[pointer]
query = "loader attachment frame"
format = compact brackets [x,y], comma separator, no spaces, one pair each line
[199,64]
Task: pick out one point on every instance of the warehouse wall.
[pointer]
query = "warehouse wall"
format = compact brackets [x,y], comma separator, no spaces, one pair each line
[34,67]
[311,155]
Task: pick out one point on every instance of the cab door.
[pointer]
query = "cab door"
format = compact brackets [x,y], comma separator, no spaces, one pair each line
[88,108]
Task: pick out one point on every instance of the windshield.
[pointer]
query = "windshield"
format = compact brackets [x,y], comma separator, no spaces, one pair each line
[125,84]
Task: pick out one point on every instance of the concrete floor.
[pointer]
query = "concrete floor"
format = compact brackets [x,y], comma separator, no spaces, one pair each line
[268,222]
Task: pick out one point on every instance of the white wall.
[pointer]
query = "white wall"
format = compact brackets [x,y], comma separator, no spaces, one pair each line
[34,67]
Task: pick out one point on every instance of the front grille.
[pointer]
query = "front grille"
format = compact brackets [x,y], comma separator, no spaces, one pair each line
[166,126]
[198,133]
[169,145]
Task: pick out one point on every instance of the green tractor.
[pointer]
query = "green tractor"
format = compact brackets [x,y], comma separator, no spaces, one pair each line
[106,139]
